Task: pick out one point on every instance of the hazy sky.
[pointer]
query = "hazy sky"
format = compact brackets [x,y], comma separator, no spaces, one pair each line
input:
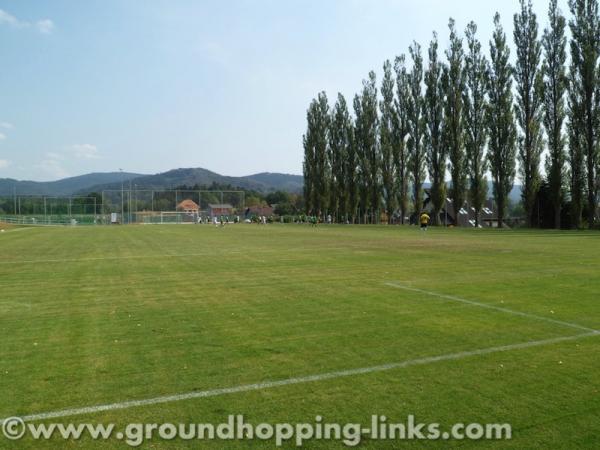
[152,85]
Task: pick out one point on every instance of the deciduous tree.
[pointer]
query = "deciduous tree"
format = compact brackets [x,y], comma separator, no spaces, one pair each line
[555,83]
[475,106]
[416,126]
[454,86]
[585,89]
[316,169]
[434,115]
[401,129]
[386,139]
[500,120]
[529,103]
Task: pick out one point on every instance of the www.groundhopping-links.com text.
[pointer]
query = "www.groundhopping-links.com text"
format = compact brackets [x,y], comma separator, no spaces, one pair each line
[380,428]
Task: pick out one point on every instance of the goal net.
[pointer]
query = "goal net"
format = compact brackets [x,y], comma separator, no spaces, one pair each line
[166,217]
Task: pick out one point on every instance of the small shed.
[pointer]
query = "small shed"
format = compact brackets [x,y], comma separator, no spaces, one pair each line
[217,210]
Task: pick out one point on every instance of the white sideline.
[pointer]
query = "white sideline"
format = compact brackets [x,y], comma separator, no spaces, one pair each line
[293,381]
[495,308]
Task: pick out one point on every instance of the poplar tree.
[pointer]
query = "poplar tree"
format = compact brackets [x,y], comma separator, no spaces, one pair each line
[500,120]
[576,156]
[434,146]
[386,139]
[339,149]
[475,131]
[361,165]
[401,129]
[555,83]
[529,103]
[351,175]
[316,167]
[585,86]
[365,108]
[308,141]
[454,86]
[416,126]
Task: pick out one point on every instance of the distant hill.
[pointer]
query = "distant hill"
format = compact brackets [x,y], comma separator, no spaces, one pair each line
[282,182]
[262,182]
[97,182]
[66,186]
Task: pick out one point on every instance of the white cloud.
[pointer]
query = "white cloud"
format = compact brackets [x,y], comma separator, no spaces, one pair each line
[6,18]
[6,125]
[53,155]
[4,163]
[52,166]
[85,151]
[44,26]
[2,136]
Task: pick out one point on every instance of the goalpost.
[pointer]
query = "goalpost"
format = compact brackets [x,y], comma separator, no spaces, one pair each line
[167,217]
[178,217]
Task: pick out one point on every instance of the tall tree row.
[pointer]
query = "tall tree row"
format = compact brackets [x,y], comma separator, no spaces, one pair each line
[470,116]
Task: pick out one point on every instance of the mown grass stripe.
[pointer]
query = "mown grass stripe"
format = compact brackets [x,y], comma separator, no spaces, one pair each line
[297,380]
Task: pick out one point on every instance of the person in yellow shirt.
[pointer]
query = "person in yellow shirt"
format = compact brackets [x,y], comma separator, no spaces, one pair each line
[424,219]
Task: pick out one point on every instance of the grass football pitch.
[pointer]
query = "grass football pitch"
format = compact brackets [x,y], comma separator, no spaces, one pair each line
[103,315]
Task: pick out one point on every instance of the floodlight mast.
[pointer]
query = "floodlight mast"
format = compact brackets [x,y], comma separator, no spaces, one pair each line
[129,202]
[122,196]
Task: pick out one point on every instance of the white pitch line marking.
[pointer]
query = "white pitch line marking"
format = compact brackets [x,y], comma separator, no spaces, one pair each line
[298,380]
[495,308]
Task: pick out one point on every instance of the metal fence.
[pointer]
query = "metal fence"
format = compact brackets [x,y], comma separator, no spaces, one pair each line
[122,206]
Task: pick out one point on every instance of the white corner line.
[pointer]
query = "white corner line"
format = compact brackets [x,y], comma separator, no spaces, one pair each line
[495,308]
[298,380]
